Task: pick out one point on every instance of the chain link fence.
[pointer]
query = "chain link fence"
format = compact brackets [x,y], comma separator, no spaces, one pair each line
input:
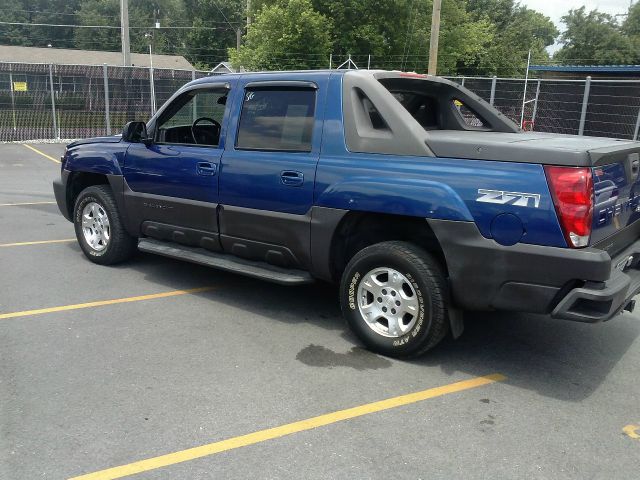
[601,108]
[40,101]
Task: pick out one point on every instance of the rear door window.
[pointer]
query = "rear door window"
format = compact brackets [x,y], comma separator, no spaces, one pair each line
[278,119]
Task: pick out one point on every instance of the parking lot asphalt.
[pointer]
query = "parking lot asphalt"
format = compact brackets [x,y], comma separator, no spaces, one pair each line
[102,367]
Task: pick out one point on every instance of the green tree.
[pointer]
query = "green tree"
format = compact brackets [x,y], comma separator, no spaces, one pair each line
[214,30]
[515,30]
[631,25]
[287,34]
[594,38]
[58,12]
[98,12]
[463,38]
[396,32]
[169,13]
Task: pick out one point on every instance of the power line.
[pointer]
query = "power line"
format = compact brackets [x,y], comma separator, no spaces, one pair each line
[42,12]
[215,4]
[112,27]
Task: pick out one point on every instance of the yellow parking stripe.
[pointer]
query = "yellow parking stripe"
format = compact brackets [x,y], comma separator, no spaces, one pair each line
[632,431]
[41,153]
[101,303]
[25,203]
[288,429]
[40,242]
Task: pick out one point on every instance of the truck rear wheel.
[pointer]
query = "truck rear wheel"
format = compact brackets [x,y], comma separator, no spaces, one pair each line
[393,296]
[99,228]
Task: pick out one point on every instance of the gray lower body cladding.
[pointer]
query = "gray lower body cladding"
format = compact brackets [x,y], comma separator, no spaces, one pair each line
[60,192]
[581,285]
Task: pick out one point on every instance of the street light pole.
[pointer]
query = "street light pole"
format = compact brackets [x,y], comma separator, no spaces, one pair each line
[124,32]
[435,37]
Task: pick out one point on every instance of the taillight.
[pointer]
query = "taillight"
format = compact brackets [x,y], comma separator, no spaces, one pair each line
[572,193]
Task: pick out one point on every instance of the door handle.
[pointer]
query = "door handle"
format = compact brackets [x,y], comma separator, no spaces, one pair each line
[292,178]
[206,168]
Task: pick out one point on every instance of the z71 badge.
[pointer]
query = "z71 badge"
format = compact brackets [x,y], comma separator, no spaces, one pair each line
[518,199]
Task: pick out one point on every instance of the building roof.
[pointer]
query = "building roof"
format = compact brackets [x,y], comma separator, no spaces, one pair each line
[64,56]
[603,69]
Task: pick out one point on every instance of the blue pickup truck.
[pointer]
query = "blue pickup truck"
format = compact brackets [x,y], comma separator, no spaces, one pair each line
[413,194]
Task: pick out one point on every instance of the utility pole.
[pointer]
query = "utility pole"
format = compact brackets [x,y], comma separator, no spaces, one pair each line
[435,37]
[248,13]
[124,32]
[238,38]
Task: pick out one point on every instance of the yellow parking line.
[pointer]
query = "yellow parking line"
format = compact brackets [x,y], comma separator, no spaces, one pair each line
[288,429]
[632,431]
[40,242]
[25,203]
[101,303]
[41,153]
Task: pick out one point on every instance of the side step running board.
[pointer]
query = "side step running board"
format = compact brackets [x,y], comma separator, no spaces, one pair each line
[229,263]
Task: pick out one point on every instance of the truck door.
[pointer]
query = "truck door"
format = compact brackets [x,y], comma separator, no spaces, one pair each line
[268,172]
[173,183]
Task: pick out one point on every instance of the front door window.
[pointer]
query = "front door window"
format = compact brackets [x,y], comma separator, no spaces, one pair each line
[194,118]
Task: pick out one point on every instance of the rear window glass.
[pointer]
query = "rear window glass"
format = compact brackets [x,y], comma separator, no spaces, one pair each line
[421,107]
[277,119]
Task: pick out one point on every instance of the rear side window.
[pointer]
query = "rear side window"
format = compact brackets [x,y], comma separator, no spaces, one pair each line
[470,118]
[277,119]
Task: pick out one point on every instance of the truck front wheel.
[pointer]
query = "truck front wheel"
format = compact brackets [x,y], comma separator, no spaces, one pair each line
[99,227]
[393,296]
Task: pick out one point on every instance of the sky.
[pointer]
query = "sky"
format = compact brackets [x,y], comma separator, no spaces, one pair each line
[555,9]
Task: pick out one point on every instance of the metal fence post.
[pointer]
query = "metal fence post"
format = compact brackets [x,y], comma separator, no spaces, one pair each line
[585,105]
[635,132]
[53,104]
[193,75]
[493,90]
[107,116]
[535,107]
[13,101]
[153,92]
[369,62]
[462,84]
[330,60]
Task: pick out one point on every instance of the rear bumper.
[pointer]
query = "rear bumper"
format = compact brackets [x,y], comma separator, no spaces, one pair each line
[60,192]
[600,301]
[575,284]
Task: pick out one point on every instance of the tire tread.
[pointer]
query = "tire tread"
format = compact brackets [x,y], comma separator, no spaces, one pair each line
[122,246]
[431,272]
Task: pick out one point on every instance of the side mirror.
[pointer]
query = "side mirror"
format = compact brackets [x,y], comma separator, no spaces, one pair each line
[136,132]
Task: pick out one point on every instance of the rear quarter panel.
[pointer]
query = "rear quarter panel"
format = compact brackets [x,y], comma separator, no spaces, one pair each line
[444,189]
[428,187]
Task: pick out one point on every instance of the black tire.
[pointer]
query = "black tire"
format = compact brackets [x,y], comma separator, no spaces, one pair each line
[121,246]
[430,289]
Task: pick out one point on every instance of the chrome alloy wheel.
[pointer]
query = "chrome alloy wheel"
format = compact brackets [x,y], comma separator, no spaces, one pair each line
[388,302]
[95,226]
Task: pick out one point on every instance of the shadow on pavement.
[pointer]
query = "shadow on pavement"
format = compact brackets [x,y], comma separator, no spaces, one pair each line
[555,358]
